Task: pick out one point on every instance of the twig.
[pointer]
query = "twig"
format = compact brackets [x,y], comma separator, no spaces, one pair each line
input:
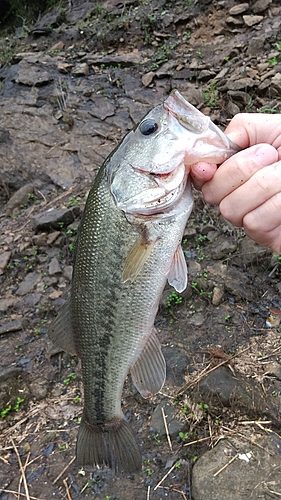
[164,477]
[63,471]
[269,355]
[175,489]
[257,422]
[21,494]
[22,470]
[148,493]
[197,441]
[248,439]
[226,465]
[166,428]
[67,489]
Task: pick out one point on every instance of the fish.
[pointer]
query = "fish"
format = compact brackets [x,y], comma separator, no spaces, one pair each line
[128,246]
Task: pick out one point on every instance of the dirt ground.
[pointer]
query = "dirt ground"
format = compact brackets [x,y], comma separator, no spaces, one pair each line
[225,58]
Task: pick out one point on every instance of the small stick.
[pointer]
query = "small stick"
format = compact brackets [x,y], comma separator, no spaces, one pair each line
[177,491]
[24,469]
[257,422]
[164,477]
[269,355]
[148,493]
[63,471]
[166,428]
[18,493]
[226,465]
[67,489]
[197,441]
[21,469]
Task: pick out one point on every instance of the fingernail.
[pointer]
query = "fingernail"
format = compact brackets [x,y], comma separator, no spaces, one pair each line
[265,154]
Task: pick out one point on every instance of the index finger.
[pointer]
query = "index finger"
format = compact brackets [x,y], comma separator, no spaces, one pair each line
[248,129]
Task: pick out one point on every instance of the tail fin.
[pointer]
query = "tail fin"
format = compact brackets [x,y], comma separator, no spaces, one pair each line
[111,444]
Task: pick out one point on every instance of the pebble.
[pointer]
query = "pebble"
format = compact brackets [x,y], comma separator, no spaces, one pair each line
[238,9]
[11,326]
[252,20]
[54,267]
[147,78]
[4,260]
[28,283]
[81,69]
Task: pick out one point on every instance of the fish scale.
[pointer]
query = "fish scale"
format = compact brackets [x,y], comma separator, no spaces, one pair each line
[128,245]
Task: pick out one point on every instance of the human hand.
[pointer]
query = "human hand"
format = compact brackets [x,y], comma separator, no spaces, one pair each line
[247,186]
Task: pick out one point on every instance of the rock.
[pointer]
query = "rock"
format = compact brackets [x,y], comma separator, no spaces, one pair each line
[102,107]
[252,20]
[255,470]
[4,260]
[79,12]
[251,252]
[241,83]
[39,388]
[64,67]
[261,6]
[238,9]
[67,272]
[54,266]
[174,423]
[81,69]
[217,295]
[256,45]
[276,82]
[236,283]
[57,46]
[28,283]
[32,71]
[147,79]
[6,303]
[8,372]
[11,326]
[221,388]
[177,365]
[54,218]
[19,198]
[222,249]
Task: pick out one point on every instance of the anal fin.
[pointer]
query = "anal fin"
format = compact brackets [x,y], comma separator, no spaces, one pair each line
[61,330]
[177,276]
[149,371]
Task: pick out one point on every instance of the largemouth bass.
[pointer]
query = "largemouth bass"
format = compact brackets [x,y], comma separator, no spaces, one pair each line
[128,245]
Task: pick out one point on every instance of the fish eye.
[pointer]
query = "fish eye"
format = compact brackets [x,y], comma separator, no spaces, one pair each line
[148,127]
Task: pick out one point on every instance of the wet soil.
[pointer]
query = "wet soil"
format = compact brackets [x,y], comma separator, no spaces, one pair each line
[64,108]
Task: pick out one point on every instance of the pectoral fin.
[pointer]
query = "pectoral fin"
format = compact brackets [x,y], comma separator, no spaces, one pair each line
[137,257]
[61,330]
[177,276]
[149,371]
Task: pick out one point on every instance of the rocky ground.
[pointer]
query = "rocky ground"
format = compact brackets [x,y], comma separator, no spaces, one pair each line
[71,86]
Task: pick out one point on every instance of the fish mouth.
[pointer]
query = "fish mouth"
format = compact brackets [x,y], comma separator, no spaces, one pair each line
[159,199]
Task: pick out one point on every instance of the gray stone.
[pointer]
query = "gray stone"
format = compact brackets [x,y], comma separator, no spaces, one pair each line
[254,473]
[4,260]
[261,6]
[238,9]
[28,283]
[221,388]
[252,20]
[54,218]
[19,198]
[174,423]
[102,107]
[251,252]
[54,267]
[147,78]
[11,326]
[81,69]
